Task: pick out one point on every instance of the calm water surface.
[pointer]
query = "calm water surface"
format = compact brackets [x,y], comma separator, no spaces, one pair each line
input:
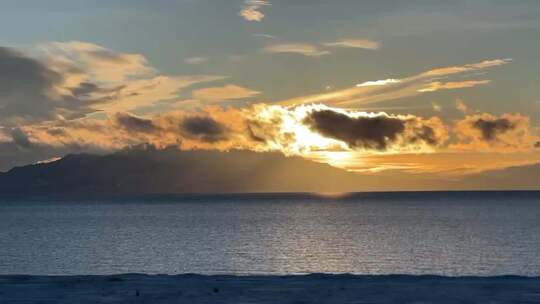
[413,233]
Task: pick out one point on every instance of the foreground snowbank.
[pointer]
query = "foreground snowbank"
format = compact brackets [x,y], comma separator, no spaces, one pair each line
[316,288]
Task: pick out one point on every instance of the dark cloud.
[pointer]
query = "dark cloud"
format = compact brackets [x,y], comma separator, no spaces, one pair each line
[204,128]
[361,132]
[26,87]
[85,89]
[24,83]
[376,132]
[491,128]
[537,144]
[19,72]
[56,131]
[134,124]
[20,138]
[426,134]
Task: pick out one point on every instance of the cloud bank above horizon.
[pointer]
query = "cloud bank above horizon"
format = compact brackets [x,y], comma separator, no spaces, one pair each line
[389,89]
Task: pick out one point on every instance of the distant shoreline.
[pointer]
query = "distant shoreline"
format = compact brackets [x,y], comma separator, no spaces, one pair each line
[264,195]
[318,288]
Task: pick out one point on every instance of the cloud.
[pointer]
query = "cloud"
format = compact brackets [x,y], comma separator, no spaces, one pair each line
[123,81]
[227,92]
[486,132]
[133,123]
[19,138]
[251,11]
[29,90]
[437,85]
[355,43]
[145,93]
[96,62]
[364,132]
[69,80]
[314,51]
[461,106]
[203,128]
[452,70]
[292,131]
[378,82]
[443,163]
[306,129]
[296,48]
[265,36]
[390,89]
[491,128]
[196,60]
[368,141]
[374,132]
[208,128]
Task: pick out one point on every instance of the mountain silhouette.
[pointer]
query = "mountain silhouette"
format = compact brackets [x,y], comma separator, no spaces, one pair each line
[145,170]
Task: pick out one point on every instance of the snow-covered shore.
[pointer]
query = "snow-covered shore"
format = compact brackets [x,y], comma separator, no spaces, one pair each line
[315,288]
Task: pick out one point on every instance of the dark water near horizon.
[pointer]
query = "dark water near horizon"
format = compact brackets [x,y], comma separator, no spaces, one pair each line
[447,233]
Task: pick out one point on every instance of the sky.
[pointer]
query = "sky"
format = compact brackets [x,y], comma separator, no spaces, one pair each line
[429,88]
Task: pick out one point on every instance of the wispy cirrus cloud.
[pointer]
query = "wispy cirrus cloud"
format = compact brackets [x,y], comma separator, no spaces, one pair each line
[267,36]
[314,50]
[378,82]
[251,10]
[227,92]
[196,60]
[445,164]
[437,85]
[305,49]
[95,61]
[354,43]
[389,89]
[471,67]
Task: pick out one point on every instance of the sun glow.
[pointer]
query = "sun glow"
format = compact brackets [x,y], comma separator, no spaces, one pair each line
[295,137]
[339,159]
[286,129]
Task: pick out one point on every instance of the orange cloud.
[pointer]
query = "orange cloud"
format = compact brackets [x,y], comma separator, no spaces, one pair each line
[251,11]
[444,164]
[390,89]
[293,131]
[353,140]
[437,85]
[471,67]
[109,80]
[296,48]
[97,62]
[461,106]
[355,43]
[486,132]
[227,92]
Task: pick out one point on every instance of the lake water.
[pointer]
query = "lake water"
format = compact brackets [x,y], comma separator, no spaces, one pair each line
[379,233]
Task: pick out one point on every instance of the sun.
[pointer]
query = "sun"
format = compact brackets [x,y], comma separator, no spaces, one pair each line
[339,159]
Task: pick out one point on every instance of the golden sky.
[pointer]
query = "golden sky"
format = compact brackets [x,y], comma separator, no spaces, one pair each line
[444,90]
